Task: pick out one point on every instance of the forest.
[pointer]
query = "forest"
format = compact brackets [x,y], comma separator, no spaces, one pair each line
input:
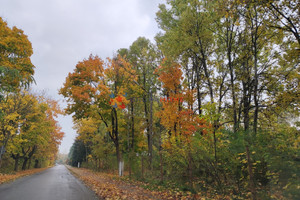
[211,106]
[29,132]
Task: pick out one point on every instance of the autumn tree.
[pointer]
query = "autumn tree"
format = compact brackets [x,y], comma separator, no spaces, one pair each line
[87,129]
[50,130]
[13,108]
[180,122]
[233,53]
[16,68]
[219,112]
[143,56]
[92,90]
[29,127]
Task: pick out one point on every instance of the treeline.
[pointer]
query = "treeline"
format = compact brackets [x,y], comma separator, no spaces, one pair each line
[29,132]
[212,107]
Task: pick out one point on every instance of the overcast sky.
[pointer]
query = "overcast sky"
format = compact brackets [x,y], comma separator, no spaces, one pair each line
[63,32]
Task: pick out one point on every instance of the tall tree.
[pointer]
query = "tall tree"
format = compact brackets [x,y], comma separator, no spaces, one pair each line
[16,68]
[142,54]
[93,91]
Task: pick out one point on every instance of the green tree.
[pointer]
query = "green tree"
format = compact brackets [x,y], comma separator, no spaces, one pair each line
[16,68]
[143,56]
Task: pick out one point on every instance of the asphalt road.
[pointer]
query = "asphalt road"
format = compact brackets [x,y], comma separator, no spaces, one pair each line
[56,183]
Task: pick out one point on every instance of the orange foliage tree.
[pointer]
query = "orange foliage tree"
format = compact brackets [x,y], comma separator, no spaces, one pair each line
[177,115]
[89,92]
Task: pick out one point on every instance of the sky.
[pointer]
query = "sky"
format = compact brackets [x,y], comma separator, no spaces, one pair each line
[64,32]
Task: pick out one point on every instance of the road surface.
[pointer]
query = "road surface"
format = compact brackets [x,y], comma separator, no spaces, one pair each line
[56,183]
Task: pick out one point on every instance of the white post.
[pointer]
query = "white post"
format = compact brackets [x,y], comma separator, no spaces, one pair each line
[121,168]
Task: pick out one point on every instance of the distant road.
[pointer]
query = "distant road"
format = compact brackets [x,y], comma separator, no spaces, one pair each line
[56,183]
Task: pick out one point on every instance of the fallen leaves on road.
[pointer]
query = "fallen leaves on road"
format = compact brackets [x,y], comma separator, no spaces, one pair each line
[9,177]
[108,186]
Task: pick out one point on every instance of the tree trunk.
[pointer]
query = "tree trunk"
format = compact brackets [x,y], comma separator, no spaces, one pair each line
[26,158]
[36,163]
[16,158]
[161,156]
[117,145]
[255,92]
[246,99]
[207,75]
[2,149]
[196,66]
[190,169]
[29,163]
[129,165]
[215,144]
[149,134]
[132,123]
[150,141]
[232,86]
[161,165]
[142,157]
[115,135]
[24,163]
[250,171]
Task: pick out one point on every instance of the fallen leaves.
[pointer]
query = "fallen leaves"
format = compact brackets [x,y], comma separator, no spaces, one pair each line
[112,187]
[9,177]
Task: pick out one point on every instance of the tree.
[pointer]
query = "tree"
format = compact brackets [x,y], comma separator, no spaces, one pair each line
[143,56]
[29,127]
[285,16]
[77,153]
[14,108]
[179,120]
[243,47]
[16,68]
[90,91]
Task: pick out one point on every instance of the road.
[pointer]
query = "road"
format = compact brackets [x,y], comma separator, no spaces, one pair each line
[55,183]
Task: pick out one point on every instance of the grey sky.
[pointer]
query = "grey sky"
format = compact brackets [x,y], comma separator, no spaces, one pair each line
[63,32]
